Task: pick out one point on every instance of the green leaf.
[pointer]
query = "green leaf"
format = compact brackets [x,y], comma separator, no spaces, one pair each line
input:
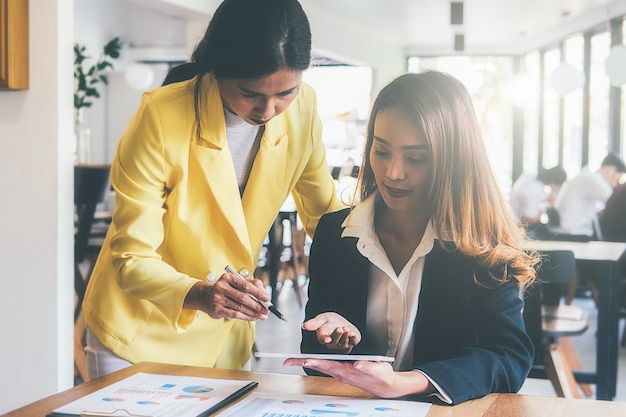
[82,83]
[104,65]
[88,78]
[113,47]
[92,92]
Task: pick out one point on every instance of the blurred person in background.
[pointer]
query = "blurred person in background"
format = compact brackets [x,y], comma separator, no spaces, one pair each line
[581,198]
[533,194]
[613,217]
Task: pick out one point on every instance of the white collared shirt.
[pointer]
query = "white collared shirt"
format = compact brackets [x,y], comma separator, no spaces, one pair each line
[392,299]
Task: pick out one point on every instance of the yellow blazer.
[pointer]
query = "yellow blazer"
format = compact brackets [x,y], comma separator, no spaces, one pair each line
[179,217]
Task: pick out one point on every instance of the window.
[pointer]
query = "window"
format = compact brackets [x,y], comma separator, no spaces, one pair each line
[599,106]
[623,106]
[560,118]
[343,102]
[573,110]
[530,87]
[551,103]
[487,80]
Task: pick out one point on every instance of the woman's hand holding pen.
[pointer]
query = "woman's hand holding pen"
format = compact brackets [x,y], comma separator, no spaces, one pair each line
[334,331]
[229,298]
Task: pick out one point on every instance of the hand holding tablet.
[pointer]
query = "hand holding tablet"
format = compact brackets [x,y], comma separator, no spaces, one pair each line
[326,356]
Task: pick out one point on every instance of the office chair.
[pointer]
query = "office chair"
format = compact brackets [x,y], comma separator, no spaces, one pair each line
[90,185]
[549,323]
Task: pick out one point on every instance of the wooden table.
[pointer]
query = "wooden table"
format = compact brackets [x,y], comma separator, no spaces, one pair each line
[607,255]
[493,405]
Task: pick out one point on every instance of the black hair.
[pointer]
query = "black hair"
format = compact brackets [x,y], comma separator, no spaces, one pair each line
[614,160]
[248,39]
[555,175]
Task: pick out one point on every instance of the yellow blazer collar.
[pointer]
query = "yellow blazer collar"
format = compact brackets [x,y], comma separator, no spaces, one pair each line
[213,125]
[264,192]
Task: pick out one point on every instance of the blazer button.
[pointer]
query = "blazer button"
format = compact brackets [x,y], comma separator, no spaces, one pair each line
[245,272]
[211,277]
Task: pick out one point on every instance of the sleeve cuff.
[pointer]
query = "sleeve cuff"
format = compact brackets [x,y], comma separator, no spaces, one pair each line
[440,392]
[185,317]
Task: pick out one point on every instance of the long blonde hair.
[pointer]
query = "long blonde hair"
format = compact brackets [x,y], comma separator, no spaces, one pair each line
[468,209]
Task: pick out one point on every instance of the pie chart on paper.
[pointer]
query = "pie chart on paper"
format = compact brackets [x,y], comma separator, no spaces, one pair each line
[198,389]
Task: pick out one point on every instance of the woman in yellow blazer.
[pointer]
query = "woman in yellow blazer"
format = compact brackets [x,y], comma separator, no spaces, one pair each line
[200,174]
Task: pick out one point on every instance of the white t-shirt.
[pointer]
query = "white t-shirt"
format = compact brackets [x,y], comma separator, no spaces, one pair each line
[528,196]
[579,202]
[243,145]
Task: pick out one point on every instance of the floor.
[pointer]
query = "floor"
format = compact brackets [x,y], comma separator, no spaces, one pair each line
[274,335]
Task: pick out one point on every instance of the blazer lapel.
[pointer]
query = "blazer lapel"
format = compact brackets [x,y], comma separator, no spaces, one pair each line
[267,189]
[215,161]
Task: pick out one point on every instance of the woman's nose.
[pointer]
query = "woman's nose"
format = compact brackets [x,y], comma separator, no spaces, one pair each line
[395,170]
[267,108]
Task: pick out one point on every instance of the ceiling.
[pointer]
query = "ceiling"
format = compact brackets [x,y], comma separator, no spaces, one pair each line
[488,25]
[423,27]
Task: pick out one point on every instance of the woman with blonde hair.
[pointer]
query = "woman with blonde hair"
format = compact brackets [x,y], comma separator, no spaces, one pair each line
[428,267]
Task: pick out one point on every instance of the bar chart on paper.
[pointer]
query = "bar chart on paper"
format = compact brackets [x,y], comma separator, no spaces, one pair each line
[261,404]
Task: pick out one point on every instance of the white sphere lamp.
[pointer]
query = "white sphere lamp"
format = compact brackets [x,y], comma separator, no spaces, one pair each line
[615,65]
[139,76]
[566,78]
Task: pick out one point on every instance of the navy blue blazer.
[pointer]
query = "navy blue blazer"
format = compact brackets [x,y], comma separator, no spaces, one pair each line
[469,338]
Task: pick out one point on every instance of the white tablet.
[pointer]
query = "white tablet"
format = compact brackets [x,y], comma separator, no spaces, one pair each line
[327,356]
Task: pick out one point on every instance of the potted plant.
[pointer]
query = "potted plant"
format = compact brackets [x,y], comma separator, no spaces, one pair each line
[87,80]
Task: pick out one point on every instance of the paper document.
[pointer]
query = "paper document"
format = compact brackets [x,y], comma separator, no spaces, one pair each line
[327,356]
[148,395]
[261,404]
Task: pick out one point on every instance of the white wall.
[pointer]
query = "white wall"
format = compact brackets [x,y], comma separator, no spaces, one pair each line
[98,21]
[36,300]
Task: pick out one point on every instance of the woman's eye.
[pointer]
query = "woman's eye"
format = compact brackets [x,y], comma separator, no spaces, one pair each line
[380,153]
[418,160]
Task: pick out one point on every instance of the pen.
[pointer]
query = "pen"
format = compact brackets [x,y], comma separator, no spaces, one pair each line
[266,304]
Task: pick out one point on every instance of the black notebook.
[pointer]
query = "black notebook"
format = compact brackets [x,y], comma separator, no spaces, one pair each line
[153,395]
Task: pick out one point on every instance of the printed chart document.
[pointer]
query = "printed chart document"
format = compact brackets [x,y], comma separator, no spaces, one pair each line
[149,395]
[261,404]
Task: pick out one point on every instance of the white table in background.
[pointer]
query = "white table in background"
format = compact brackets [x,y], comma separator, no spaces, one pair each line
[607,254]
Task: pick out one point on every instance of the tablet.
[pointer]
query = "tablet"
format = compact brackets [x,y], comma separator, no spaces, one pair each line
[327,356]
